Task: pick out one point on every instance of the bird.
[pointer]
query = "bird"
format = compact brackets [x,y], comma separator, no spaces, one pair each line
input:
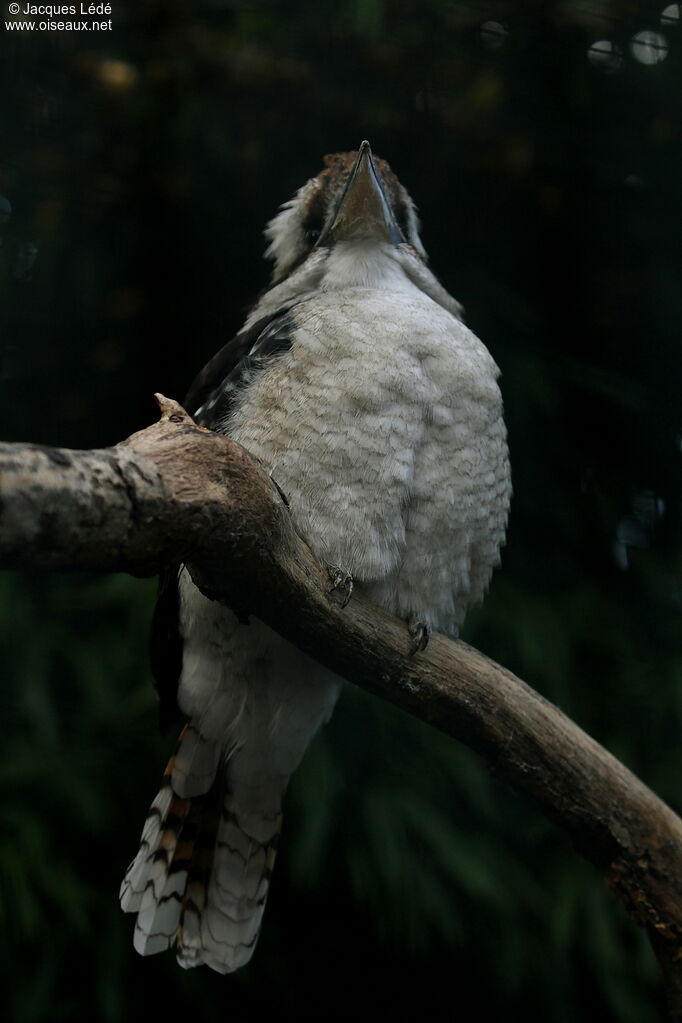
[377,412]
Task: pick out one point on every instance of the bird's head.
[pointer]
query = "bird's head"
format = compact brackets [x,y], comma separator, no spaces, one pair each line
[356,198]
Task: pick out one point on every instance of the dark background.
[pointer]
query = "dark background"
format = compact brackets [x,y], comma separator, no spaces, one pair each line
[137,170]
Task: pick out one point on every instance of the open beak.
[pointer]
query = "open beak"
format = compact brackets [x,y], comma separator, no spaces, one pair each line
[363,212]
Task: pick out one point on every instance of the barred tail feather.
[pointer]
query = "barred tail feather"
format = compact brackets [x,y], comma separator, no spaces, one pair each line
[159,839]
[200,879]
[221,917]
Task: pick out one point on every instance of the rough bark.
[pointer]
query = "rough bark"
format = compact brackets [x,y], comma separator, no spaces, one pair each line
[177,492]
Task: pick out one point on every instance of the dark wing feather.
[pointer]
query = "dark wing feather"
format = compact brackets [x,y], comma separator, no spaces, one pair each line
[212,393]
[209,401]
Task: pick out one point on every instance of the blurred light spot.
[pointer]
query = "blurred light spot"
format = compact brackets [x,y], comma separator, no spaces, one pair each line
[605,55]
[670,15]
[637,530]
[485,92]
[648,507]
[649,47]
[633,180]
[5,209]
[117,74]
[493,34]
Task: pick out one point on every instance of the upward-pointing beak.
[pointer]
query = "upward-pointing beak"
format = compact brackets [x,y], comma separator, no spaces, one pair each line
[363,212]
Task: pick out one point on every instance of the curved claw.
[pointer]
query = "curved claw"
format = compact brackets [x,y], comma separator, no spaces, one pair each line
[420,631]
[342,582]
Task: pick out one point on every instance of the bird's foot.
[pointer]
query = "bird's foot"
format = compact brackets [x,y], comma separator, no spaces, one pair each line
[420,633]
[342,584]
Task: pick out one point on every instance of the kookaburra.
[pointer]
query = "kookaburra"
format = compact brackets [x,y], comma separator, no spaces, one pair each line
[377,412]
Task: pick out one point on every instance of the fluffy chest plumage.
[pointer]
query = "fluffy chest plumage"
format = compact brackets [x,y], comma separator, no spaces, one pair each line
[384,399]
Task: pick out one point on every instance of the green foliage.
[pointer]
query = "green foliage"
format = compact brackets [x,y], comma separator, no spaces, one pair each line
[67,766]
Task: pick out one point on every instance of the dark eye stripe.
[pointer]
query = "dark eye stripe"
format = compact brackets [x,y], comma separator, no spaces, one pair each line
[401,215]
[314,218]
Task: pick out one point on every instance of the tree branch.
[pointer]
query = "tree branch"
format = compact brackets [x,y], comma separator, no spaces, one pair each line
[176,492]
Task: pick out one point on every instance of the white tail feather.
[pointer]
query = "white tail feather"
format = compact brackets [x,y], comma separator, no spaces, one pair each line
[201,876]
